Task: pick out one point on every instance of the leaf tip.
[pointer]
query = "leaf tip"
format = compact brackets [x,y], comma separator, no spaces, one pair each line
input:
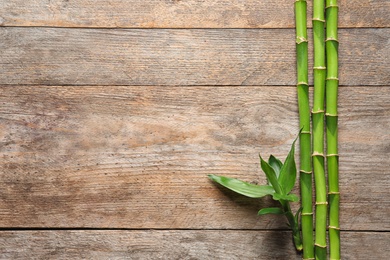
[277,211]
[212,177]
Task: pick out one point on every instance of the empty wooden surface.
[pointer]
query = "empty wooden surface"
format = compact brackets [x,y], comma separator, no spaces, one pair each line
[112,113]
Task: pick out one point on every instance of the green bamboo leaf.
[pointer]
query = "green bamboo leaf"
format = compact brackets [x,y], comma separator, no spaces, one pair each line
[276,164]
[277,211]
[271,175]
[289,197]
[243,188]
[288,172]
[297,215]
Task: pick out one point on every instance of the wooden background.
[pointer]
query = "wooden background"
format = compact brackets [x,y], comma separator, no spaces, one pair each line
[113,112]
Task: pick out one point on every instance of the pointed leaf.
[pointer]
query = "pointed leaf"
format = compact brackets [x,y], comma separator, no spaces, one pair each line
[288,172]
[289,197]
[271,175]
[243,188]
[276,164]
[297,215]
[264,211]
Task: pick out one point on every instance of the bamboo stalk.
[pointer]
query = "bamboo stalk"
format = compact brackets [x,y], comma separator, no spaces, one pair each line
[318,128]
[294,225]
[332,128]
[304,124]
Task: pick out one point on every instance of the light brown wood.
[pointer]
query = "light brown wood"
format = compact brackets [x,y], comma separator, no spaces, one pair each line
[137,157]
[51,56]
[158,94]
[154,244]
[180,13]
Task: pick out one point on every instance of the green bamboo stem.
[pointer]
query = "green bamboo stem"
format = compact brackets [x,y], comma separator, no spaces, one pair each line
[331,127]
[304,124]
[293,224]
[318,128]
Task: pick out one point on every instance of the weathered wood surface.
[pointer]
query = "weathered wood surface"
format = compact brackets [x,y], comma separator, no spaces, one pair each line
[149,110]
[51,56]
[153,244]
[137,157]
[180,14]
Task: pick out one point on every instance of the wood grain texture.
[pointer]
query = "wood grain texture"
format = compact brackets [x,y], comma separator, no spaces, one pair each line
[58,56]
[113,112]
[137,157]
[180,13]
[153,244]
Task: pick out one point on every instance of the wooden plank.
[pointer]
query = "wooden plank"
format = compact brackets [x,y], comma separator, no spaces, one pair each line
[137,157]
[180,14]
[153,244]
[57,56]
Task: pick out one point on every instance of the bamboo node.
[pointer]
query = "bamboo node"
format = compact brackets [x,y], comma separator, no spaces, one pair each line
[305,172]
[308,258]
[333,227]
[318,154]
[321,203]
[307,214]
[332,78]
[319,68]
[318,20]
[333,193]
[302,83]
[331,39]
[329,114]
[318,245]
[332,154]
[317,112]
[300,39]
[331,5]
[306,132]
